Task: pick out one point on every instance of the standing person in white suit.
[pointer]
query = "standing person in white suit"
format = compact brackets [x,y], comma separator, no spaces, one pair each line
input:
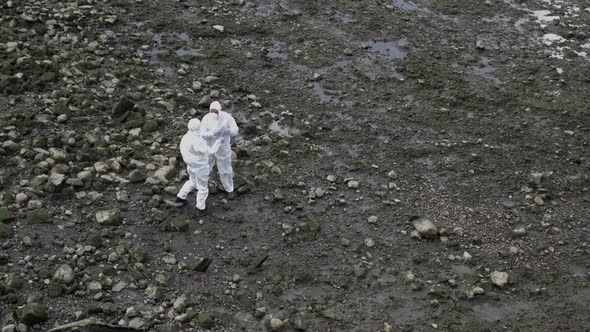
[196,153]
[220,125]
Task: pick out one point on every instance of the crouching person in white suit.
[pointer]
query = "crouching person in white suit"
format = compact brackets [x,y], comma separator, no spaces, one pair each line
[196,154]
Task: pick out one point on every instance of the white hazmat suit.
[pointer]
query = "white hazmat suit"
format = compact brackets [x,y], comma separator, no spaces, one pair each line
[220,125]
[196,153]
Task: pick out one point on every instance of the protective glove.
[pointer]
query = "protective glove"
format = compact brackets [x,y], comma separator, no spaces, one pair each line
[221,141]
[217,133]
[227,132]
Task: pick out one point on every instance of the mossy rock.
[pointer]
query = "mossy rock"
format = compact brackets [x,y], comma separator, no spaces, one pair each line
[37,217]
[311,223]
[6,232]
[178,224]
[150,126]
[124,105]
[94,239]
[137,176]
[34,313]
[54,289]
[206,320]
[6,215]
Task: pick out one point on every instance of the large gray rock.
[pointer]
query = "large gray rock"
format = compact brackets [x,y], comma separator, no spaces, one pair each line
[109,217]
[425,228]
[64,274]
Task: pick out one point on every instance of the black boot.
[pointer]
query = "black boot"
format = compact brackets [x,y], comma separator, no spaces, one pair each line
[180,201]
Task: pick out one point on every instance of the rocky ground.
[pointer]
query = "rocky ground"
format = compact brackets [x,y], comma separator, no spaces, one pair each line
[402,165]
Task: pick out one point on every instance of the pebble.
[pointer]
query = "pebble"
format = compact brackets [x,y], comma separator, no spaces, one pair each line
[353,184]
[276,324]
[498,278]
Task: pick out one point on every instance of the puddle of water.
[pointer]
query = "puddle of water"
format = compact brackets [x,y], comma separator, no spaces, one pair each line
[259,9]
[390,49]
[110,34]
[493,312]
[274,52]
[282,130]
[579,271]
[325,95]
[543,17]
[519,24]
[486,72]
[551,38]
[183,36]
[344,18]
[153,60]
[405,5]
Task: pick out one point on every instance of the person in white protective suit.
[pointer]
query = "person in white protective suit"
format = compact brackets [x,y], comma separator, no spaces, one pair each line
[196,153]
[220,125]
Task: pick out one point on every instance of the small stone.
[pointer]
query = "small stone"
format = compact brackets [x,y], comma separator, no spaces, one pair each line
[480,45]
[180,303]
[499,279]
[331,178]
[56,179]
[21,198]
[392,175]
[539,201]
[219,28]
[120,286]
[458,231]
[372,219]
[353,184]
[197,85]
[211,79]
[109,217]
[478,291]
[169,259]
[153,292]
[276,324]
[425,228]
[519,232]
[260,312]
[347,51]
[94,287]
[64,274]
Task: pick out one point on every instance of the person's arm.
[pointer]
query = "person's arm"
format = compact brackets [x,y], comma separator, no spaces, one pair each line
[203,147]
[212,149]
[232,129]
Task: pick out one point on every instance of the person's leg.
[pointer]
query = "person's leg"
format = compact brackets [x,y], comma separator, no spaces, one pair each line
[226,174]
[202,191]
[188,186]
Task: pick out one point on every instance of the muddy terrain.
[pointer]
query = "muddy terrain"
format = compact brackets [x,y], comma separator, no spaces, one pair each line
[401,165]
